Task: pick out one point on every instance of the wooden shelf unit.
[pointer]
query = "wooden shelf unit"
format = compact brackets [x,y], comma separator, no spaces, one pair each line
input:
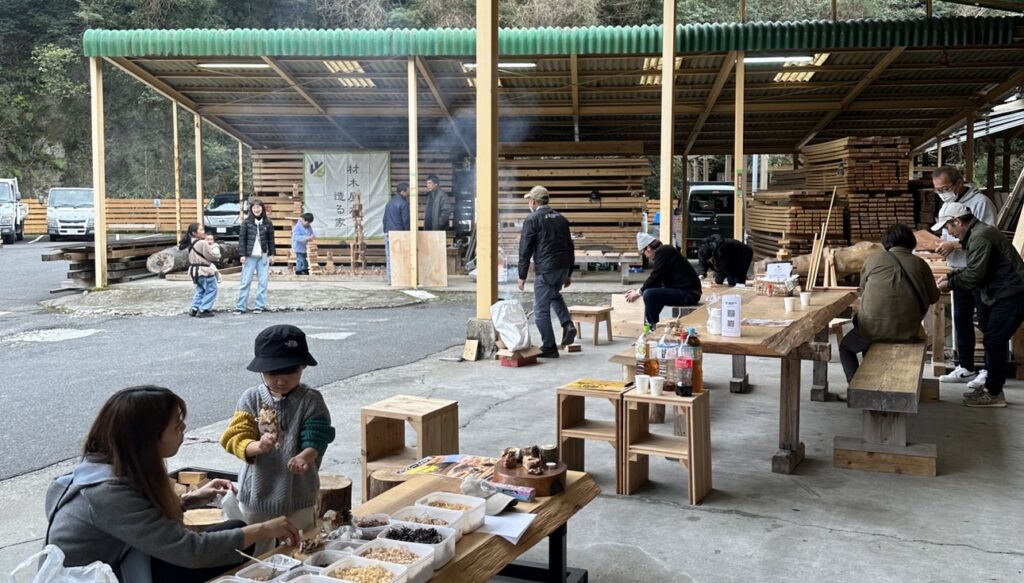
[574,428]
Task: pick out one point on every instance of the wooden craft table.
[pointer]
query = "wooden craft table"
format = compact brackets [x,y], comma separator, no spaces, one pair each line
[791,344]
[480,556]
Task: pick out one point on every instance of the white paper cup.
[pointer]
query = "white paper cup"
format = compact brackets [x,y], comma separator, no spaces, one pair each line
[643,383]
[790,304]
[805,299]
[657,385]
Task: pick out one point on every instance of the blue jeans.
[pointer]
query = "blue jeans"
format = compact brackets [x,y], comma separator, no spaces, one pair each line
[261,266]
[656,298]
[546,295]
[301,263]
[206,293]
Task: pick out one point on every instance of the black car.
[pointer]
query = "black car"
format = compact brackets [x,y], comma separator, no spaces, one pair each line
[711,210]
[222,216]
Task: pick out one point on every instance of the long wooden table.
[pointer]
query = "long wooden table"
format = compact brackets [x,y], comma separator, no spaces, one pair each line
[791,344]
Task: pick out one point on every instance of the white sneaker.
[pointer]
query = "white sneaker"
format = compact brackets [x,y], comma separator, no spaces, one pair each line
[979,381]
[959,375]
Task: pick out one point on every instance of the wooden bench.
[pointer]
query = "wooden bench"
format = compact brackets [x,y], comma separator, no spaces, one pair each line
[887,388]
[594,315]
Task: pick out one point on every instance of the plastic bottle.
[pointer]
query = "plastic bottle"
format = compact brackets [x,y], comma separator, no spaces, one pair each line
[696,354]
[642,354]
[664,352]
[652,351]
[684,374]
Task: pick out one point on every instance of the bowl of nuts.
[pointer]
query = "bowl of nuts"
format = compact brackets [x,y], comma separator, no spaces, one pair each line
[418,559]
[360,570]
[371,525]
[471,505]
[441,539]
[431,516]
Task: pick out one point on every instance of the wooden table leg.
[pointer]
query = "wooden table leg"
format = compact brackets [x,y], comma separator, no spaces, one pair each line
[791,450]
[819,381]
[939,339]
[740,382]
[637,465]
[608,326]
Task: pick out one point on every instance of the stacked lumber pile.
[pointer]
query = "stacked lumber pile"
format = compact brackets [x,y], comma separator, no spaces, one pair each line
[789,179]
[926,203]
[126,260]
[125,214]
[789,220]
[859,164]
[872,214]
[610,223]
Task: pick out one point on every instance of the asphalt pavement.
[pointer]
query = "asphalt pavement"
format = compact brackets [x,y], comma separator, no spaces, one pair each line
[57,369]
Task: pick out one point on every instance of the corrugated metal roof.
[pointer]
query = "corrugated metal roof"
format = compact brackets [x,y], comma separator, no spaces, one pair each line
[751,36]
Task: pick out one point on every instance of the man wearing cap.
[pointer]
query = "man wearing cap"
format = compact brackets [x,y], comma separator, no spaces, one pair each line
[546,240]
[672,282]
[950,186]
[995,269]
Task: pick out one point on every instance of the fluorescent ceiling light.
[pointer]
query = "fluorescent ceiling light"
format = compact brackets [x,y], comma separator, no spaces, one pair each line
[800,76]
[505,65]
[654,64]
[349,68]
[233,65]
[762,60]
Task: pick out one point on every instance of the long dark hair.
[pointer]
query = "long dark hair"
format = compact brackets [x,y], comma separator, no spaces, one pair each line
[126,435]
[252,215]
[186,239]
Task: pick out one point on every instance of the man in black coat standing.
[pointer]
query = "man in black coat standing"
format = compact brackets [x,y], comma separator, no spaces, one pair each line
[546,240]
[672,282]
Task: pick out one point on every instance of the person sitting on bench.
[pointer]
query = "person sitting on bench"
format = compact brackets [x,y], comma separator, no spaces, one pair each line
[672,282]
[728,258]
[896,289]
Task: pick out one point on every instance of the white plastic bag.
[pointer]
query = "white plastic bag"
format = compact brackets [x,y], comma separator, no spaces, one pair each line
[47,566]
[510,321]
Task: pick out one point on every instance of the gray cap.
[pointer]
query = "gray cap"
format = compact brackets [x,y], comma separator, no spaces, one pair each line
[539,194]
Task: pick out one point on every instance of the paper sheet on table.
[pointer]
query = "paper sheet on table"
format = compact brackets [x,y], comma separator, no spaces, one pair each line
[510,525]
[767,322]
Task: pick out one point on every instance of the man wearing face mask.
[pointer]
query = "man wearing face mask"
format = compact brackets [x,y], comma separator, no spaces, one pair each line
[950,186]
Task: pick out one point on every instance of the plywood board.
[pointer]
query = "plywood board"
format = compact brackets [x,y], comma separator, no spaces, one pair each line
[627,318]
[432,260]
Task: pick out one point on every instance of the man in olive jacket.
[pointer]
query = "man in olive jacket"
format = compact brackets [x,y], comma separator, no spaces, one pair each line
[995,268]
[896,289]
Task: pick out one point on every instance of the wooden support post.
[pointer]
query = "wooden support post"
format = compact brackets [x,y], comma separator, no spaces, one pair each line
[740,381]
[241,178]
[414,175]
[728,167]
[969,147]
[990,168]
[796,160]
[938,150]
[198,123]
[1006,164]
[99,173]
[684,208]
[819,375]
[704,174]
[740,170]
[835,12]
[667,157]
[763,181]
[486,156]
[939,336]
[791,450]
[177,169]
[928,8]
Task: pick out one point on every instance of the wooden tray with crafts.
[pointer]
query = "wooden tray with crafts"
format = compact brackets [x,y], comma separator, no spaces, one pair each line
[551,482]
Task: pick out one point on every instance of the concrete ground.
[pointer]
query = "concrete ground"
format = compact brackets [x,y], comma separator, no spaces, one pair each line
[818,524]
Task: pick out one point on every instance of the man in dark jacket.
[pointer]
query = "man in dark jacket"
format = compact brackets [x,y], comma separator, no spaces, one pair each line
[546,240]
[995,268]
[439,210]
[728,258]
[672,282]
[396,218]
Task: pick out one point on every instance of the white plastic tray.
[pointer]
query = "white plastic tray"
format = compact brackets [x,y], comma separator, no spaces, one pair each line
[398,572]
[293,574]
[474,516]
[443,551]
[419,571]
[453,518]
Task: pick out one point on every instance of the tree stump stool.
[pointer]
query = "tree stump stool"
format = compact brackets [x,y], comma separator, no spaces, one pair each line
[335,494]
[385,479]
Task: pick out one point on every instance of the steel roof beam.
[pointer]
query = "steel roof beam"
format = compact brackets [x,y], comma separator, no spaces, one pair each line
[432,85]
[294,84]
[709,103]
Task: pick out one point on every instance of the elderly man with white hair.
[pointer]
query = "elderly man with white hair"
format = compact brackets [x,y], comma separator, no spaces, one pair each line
[673,281]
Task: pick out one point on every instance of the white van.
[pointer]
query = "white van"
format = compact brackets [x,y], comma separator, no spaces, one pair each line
[12,211]
[70,213]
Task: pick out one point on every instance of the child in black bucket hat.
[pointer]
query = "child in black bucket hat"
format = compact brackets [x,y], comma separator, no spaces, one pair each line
[281,429]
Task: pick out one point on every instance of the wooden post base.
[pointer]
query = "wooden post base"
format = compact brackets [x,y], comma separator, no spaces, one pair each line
[918,459]
[785,461]
[740,381]
[929,391]
[822,395]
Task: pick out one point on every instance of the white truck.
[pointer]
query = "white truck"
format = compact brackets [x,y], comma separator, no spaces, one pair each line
[70,213]
[13,212]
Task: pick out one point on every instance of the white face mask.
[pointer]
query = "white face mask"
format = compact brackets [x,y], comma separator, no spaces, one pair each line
[948,196]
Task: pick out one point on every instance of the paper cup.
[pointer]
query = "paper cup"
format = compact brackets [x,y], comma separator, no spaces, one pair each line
[643,383]
[805,299]
[657,385]
[790,304]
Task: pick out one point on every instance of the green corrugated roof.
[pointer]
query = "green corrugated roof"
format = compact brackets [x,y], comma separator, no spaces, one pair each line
[753,36]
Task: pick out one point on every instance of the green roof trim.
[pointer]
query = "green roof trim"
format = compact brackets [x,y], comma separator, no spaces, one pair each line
[601,40]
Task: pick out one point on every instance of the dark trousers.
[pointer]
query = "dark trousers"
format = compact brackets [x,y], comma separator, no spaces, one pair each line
[853,344]
[547,289]
[964,305]
[656,298]
[999,322]
[167,573]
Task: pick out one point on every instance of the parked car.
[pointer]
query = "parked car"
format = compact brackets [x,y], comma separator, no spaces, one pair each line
[13,212]
[222,216]
[711,209]
[70,213]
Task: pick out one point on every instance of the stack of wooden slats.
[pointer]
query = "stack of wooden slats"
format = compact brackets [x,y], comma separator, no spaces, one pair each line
[126,260]
[879,164]
[789,220]
[875,213]
[789,179]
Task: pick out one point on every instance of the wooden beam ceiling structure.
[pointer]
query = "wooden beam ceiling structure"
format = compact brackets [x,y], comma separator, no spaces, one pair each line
[709,103]
[277,68]
[978,103]
[424,70]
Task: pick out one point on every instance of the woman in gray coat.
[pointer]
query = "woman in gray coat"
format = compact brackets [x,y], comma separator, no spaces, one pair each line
[118,506]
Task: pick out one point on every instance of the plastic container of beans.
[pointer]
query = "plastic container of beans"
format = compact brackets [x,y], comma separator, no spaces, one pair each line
[443,551]
[474,507]
[419,570]
[258,572]
[396,573]
[321,559]
[446,518]
[291,576]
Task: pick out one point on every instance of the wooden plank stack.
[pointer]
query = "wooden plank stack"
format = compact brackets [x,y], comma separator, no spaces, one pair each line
[789,220]
[879,164]
[871,214]
[126,260]
[609,222]
[125,214]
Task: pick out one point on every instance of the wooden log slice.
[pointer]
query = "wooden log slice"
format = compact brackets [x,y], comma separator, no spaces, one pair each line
[385,479]
[335,493]
[549,483]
